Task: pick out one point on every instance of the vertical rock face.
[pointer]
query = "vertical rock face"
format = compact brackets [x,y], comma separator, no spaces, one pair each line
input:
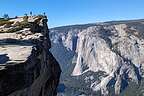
[116,54]
[108,58]
[27,68]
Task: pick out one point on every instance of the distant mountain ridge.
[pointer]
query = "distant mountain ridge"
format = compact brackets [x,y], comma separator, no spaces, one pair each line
[97,23]
[102,58]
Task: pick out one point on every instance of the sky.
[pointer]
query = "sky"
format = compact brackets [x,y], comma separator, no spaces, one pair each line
[70,12]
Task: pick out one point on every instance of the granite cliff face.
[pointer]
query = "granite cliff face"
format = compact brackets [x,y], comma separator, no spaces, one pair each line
[106,58]
[27,67]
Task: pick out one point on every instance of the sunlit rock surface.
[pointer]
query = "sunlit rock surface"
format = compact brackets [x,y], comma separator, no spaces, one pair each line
[27,68]
[107,59]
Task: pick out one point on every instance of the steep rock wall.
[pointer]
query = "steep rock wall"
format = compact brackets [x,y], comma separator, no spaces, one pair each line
[108,57]
[27,68]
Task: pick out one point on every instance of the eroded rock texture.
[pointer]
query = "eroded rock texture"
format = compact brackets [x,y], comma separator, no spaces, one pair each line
[27,68]
[106,58]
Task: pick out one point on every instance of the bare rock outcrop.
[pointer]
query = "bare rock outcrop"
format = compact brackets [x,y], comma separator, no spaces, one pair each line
[27,67]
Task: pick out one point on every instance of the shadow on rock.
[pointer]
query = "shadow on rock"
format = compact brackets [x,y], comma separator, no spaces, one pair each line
[10,41]
[3,58]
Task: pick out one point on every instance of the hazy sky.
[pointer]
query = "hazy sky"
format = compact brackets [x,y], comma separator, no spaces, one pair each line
[67,12]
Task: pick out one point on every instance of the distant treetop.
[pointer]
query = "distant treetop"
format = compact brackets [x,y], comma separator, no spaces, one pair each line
[6,16]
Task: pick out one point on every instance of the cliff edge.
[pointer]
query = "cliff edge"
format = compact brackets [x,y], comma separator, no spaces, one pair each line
[27,68]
